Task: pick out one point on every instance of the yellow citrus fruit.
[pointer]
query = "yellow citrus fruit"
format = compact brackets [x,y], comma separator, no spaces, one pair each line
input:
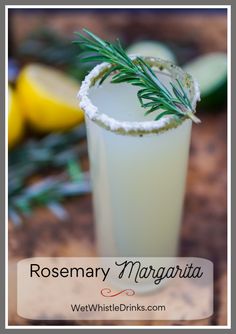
[15,119]
[48,98]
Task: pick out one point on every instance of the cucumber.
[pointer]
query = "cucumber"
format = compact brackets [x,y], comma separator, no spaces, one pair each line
[151,49]
[211,73]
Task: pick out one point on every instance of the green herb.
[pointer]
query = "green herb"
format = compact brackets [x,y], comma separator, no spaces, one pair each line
[57,155]
[47,46]
[153,95]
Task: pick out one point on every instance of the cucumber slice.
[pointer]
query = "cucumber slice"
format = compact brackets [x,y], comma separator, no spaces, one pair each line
[152,49]
[211,73]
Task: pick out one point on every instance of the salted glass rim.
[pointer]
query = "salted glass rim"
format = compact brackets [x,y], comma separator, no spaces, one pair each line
[136,127]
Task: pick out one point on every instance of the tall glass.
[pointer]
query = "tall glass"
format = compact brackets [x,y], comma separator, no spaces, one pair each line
[138,165]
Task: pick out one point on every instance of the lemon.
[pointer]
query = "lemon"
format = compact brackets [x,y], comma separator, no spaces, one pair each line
[48,98]
[15,119]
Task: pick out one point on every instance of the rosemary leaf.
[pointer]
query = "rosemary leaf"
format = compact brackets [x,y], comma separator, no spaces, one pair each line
[137,73]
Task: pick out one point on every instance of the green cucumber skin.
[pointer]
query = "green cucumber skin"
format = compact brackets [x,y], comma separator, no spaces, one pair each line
[213,92]
[215,98]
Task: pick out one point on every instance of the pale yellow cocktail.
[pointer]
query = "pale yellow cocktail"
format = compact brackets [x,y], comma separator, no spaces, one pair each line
[138,166]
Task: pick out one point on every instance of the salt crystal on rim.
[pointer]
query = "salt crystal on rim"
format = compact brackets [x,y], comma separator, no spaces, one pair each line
[125,127]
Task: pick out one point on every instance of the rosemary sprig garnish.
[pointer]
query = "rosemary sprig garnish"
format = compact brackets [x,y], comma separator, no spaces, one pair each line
[153,94]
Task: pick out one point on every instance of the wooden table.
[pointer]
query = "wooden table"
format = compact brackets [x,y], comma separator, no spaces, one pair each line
[204,229]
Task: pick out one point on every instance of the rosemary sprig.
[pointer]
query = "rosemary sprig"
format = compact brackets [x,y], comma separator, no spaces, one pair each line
[153,94]
[56,156]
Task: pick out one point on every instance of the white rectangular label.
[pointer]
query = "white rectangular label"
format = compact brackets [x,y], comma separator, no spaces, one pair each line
[115,288]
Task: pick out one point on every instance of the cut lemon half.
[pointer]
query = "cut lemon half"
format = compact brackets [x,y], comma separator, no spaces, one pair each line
[48,98]
[15,119]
